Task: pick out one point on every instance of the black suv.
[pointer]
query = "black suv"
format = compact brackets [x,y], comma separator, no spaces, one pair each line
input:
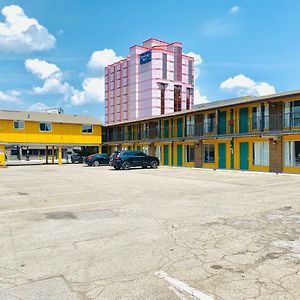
[128,159]
[76,158]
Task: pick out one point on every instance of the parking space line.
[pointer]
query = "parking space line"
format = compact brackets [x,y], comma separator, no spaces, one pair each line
[183,287]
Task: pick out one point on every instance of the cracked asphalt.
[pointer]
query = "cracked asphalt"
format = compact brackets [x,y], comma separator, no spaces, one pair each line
[74,232]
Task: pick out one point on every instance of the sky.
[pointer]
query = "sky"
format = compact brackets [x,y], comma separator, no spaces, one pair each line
[53,52]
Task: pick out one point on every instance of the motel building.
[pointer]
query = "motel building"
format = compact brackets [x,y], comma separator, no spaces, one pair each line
[149,106]
[250,133]
[48,134]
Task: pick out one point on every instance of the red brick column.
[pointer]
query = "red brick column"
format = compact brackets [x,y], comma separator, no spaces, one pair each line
[151,149]
[198,154]
[276,158]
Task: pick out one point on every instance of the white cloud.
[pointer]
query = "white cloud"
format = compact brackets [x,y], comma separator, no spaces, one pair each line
[51,74]
[41,68]
[53,85]
[19,33]
[233,10]
[197,58]
[198,98]
[243,85]
[10,97]
[38,107]
[102,58]
[93,91]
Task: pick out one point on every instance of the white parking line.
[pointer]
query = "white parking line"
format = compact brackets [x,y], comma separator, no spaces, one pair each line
[48,207]
[183,287]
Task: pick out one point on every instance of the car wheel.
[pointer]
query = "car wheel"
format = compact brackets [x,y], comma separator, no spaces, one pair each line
[154,164]
[126,165]
[96,163]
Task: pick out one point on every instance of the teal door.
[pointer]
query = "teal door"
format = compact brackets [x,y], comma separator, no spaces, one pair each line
[179,128]
[222,122]
[166,129]
[222,156]
[179,155]
[166,155]
[129,133]
[243,120]
[244,154]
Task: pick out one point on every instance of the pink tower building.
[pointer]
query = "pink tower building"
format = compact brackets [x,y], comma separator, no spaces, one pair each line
[156,78]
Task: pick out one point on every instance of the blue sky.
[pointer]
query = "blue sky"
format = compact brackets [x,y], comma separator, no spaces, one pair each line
[246,47]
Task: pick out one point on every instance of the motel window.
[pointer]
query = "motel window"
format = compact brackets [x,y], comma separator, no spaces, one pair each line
[292,114]
[190,125]
[164,66]
[209,153]
[145,149]
[209,123]
[292,154]
[162,98]
[189,151]
[47,127]
[261,153]
[177,98]
[158,152]
[189,93]
[190,70]
[255,118]
[18,124]
[87,128]
[260,117]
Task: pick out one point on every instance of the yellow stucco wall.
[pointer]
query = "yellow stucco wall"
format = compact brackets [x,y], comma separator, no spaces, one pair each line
[250,140]
[215,142]
[2,156]
[60,134]
[161,144]
[184,163]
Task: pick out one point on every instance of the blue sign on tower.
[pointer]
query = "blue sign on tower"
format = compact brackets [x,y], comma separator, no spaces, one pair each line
[145,57]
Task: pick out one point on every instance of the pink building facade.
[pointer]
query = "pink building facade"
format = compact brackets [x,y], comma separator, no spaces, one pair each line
[156,78]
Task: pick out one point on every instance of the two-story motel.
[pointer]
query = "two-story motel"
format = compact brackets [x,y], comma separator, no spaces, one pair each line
[45,130]
[251,133]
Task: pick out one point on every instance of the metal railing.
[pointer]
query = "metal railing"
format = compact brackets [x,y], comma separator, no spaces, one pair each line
[268,124]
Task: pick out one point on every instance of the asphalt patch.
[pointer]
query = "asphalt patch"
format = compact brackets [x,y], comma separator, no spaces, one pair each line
[60,215]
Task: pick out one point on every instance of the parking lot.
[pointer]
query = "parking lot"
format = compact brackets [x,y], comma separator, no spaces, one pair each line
[74,232]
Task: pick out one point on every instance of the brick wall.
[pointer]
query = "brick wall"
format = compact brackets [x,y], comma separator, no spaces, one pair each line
[275,114]
[198,154]
[276,155]
[198,123]
[152,149]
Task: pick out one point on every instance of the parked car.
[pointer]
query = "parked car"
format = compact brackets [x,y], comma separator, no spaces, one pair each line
[76,158]
[112,157]
[97,159]
[128,159]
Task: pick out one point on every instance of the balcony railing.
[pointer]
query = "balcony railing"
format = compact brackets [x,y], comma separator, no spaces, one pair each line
[268,124]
